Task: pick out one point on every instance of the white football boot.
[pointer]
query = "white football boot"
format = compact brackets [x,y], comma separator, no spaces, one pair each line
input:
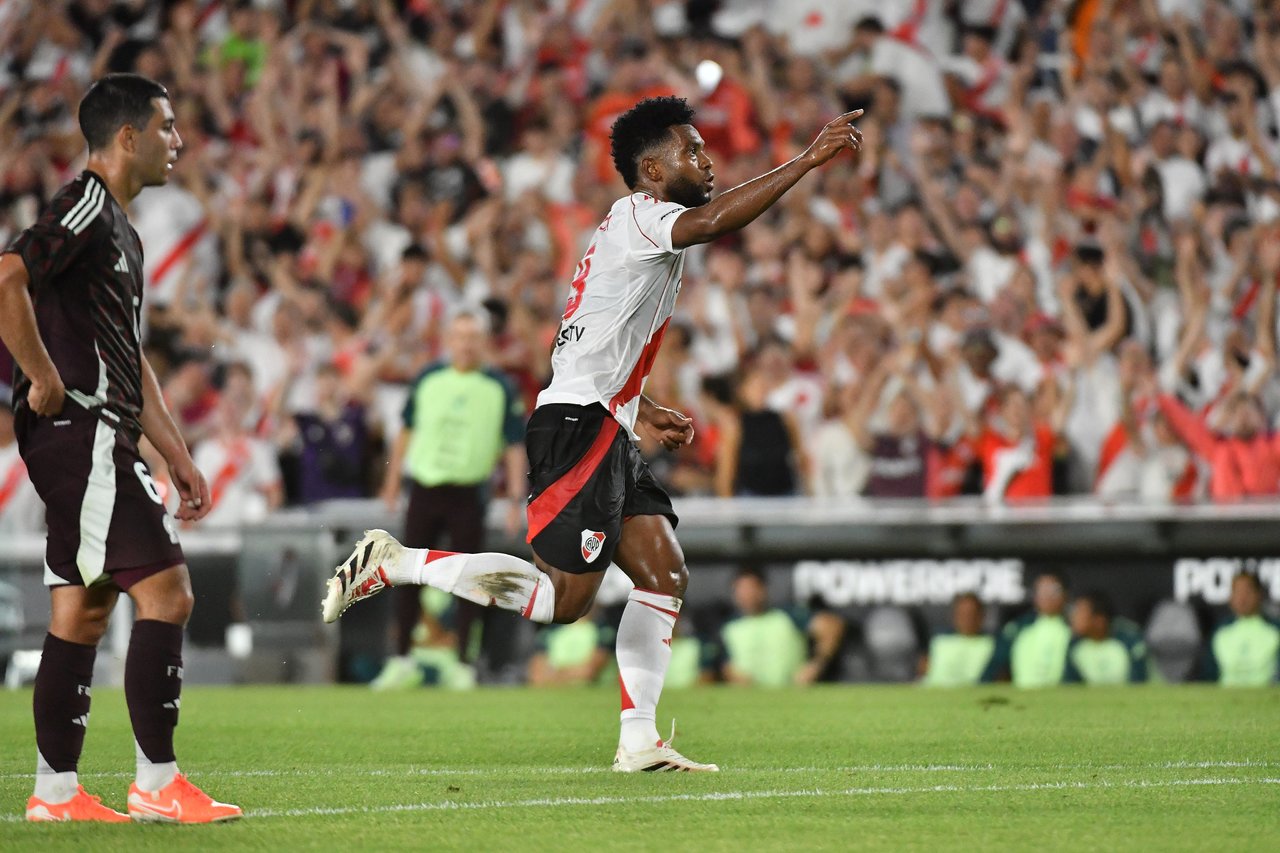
[362,574]
[661,758]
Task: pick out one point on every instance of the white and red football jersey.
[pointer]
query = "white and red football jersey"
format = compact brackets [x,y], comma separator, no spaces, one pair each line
[619,306]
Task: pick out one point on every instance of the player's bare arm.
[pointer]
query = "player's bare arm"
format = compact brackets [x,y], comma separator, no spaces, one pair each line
[160,430]
[668,427]
[21,335]
[738,207]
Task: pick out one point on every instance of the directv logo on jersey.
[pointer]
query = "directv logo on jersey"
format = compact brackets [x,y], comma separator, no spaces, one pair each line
[569,334]
[592,543]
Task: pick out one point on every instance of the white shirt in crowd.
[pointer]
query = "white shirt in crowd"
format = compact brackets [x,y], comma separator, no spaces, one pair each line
[21,510]
[238,472]
[179,240]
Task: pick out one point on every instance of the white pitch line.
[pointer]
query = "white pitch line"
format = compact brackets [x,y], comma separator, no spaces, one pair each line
[735,796]
[512,772]
[732,796]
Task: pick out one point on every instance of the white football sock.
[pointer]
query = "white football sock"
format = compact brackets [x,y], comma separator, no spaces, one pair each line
[153,777]
[53,787]
[644,652]
[489,579]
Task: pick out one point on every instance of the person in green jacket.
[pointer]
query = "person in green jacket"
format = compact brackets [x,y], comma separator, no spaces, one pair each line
[958,658]
[1245,650]
[764,645]
[1104,650]
[1032,650]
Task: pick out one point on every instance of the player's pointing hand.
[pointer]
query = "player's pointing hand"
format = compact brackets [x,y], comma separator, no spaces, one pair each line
[837,136]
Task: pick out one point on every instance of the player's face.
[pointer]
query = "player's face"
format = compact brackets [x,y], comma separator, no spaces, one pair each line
[690,176]
[157,145]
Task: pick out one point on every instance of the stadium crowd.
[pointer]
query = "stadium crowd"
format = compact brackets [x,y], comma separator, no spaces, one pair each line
[1053,270]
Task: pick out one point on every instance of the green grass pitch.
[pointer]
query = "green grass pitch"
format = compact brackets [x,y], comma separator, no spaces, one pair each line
[840,768]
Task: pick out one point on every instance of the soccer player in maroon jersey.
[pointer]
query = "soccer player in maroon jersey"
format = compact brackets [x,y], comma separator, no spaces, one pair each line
[594,500]
[70,312]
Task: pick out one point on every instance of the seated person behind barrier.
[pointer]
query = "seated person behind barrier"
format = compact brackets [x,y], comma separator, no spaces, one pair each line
[959,657]
[574,654]
[767,646]
[1245,650]
[1104,650]
[1032,649]
[433,658]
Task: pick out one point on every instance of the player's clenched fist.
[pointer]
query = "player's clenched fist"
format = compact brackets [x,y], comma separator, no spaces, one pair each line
[46,395]
[837,136]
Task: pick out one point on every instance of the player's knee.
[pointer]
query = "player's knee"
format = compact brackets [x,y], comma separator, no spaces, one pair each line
[174,606]
[681,579]
[87,626]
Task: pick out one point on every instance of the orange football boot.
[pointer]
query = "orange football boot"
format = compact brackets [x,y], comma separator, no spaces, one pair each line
[82,806]
[178,802]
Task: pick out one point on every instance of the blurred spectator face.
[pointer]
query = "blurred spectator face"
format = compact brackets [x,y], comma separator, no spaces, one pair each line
[1246,418]
[1164,140]
[1133,363]
[238,385]
[1088,271]
[328,386]
[886,100]
[753,390]
[966,615]
[1246,596]
[750,595]
[465,341]
[903,419]
[1234,108]
[1045,338]
[1172,80]
[968,203]
[1083,618]
[762,308]
[1049,597]
[979,354]
[1015,411]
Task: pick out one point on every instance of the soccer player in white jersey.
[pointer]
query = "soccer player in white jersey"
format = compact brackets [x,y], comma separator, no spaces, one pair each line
[594,501]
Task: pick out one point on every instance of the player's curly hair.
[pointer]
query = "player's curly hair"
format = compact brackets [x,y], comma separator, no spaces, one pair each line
[642,127]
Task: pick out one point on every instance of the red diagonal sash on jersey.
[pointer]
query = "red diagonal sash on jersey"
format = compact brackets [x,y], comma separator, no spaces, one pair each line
[635,382]
[13,479]
[180,250]
[237,458]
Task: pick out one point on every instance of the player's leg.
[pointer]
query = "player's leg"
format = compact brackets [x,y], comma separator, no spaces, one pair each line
[651,557]
[153,691]
[61,703]
[577,460]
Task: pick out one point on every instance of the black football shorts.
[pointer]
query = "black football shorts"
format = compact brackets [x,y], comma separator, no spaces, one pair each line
[105,516]
[587,477]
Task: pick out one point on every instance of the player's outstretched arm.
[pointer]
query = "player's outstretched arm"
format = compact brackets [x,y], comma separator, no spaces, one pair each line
[737,207]
[21,335]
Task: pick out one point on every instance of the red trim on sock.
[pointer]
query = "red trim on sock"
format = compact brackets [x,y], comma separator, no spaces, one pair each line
[672,613]
[528,608]
[433,555]
[627,704]
[556,497]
